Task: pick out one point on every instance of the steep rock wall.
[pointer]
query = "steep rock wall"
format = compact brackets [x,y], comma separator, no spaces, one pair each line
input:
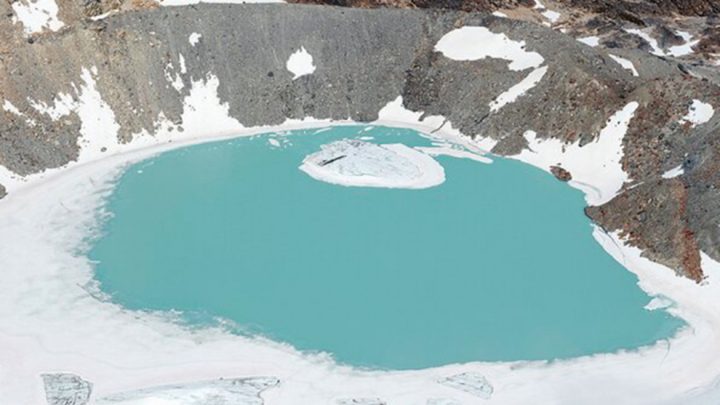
[141,65]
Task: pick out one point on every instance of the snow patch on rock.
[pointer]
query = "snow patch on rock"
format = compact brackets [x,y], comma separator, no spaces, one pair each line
[595,167]
[674,172]
[627,64]
[300,63]
[10,107]
[552,16]
[590,41]
[98,127]
[684,49]
[194,38]
[675,51]
[699,113]
[394,113]
[37,15]
[175,81]
[516,91]
[474,43]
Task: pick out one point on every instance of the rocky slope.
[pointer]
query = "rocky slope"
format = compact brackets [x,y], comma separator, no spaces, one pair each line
[139,65]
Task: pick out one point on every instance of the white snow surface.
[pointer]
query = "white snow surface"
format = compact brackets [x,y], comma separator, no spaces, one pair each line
[674,172]
[684,49]
[37,15]
[676,51]
[194,38]
[656,50]
[591,41]
[699,113]
[174,80]
[627,64]
[98,128]
[474,43]
[658,302]
[453,151]
[552,16]
[104,15]
[10,107]
[50,318]
[516,91]
[595,167]
[300,63]
[352,162]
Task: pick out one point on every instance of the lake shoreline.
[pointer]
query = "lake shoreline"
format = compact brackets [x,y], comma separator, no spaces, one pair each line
[147,345]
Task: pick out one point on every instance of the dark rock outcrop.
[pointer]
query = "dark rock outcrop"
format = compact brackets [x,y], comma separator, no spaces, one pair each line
[560,173]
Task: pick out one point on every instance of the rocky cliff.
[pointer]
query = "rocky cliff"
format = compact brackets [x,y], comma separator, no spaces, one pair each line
[137,67]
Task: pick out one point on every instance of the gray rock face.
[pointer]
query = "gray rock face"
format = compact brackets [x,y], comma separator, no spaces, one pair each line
[66,389]
[365,59]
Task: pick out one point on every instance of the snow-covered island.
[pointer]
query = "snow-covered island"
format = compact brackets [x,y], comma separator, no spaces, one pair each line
[352,162]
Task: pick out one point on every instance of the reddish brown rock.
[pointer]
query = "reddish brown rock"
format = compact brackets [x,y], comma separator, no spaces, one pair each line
[560,173]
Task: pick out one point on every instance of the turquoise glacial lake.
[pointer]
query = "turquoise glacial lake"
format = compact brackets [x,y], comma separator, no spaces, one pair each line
[496,264]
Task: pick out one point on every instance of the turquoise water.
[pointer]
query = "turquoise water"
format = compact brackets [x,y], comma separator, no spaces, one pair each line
[497,263]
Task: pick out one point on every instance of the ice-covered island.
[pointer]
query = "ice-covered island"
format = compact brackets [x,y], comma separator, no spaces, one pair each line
[353,162]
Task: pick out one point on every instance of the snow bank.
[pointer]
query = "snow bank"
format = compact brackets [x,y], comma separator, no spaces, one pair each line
[395,114]
[699,113]
[474,43]
[674,172]
[194,38]
[224,391]
[98,130]
[595,167]
[10,107]
[516,91]
[300,63]
[552,16]
[675,51]
[656,50]
[37,15]
[590,41]
[453,151]
[684,49]
[358,163]
[625,63]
